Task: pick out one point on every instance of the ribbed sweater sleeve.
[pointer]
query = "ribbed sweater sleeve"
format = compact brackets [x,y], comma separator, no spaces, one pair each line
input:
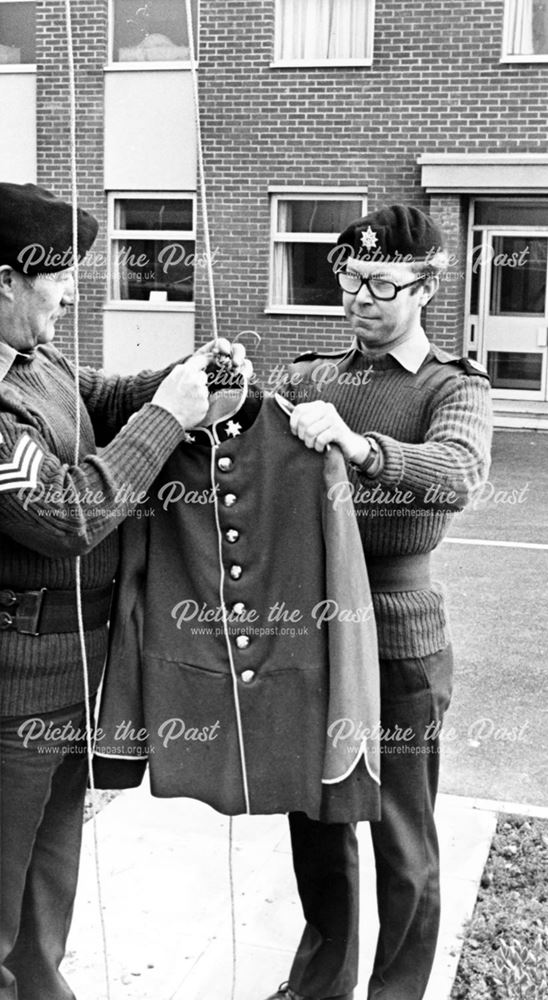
[73,507]
[434,429]
[111,399]
[453,461]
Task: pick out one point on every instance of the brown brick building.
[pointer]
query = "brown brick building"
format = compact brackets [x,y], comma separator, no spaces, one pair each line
[312,111]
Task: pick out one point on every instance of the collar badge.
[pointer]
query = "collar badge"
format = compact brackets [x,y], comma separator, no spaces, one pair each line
[233,429]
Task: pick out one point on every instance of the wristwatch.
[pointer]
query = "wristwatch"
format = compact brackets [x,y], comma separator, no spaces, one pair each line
[374,462]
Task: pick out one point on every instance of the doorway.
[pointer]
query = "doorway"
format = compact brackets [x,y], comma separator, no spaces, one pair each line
[508,307]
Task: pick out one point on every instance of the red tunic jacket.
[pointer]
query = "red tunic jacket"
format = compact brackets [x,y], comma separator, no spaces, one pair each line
[243,657]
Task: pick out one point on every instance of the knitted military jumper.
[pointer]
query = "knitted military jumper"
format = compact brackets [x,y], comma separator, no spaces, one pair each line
[434,429]
[73,509]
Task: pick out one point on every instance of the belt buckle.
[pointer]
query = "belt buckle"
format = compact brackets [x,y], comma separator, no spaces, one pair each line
[8,597]
[6,621]
[29,610]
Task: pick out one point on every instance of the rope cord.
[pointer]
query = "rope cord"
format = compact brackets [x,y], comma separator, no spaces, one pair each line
[232,902]
[201,170]
[211,287]
[76,334]
[239,726]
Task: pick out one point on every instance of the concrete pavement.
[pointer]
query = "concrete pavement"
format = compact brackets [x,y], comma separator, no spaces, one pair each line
[165,883]
[164,863]
[494,566]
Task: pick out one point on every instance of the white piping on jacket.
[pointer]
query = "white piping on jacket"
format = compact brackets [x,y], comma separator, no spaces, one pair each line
[234,675]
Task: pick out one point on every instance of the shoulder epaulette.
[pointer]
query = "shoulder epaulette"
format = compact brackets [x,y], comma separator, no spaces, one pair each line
[471,367]
[467,365]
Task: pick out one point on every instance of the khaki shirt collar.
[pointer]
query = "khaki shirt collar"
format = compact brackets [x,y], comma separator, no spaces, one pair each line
[412,352]
[8,355]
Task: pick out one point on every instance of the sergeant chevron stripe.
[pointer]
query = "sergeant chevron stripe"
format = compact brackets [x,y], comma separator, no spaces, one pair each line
[22,471]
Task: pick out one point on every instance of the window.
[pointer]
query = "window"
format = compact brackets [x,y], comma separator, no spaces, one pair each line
[152,31]
[305,226]
[515,370]
[517,212]
[152,248]
[519,289]
[17,34]
[526,31]
[324,32]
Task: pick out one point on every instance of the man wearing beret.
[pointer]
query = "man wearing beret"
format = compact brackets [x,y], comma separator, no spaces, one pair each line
[414,425]
[58,515]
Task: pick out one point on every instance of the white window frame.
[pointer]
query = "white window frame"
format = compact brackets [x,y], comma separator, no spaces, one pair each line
[117,66]
[17,67]
[508,57]
[278,194]
[279,63]
[142,305]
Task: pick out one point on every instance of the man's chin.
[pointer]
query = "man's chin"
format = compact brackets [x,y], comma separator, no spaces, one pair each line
[46,336]
[368,338]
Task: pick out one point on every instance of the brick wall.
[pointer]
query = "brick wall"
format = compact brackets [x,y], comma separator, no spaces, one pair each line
[436,85]
[445,314]
[89,29]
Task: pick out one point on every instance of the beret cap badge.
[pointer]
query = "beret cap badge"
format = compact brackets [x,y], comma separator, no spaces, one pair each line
[395,234]
[369,238]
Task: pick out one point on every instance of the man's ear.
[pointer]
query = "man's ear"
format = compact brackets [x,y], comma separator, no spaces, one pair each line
[6,281]
[430,287]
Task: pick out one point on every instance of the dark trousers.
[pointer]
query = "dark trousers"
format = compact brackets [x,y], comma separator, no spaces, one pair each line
[414,696]
[42,789]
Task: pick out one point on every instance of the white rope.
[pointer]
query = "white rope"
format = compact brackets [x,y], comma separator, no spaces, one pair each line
[76,329]
[201,169]
[232,902]
[211,286]
[214,326]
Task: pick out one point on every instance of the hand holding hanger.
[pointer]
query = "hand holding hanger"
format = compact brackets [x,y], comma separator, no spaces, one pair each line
[233,355]
[184,393]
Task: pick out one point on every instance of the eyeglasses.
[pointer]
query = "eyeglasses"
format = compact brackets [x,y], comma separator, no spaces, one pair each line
[379,288]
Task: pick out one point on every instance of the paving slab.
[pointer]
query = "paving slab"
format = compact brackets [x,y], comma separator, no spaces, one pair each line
[166,900]
[495,738]
[511,506]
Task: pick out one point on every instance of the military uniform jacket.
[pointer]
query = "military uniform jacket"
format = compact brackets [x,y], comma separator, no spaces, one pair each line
[243,658]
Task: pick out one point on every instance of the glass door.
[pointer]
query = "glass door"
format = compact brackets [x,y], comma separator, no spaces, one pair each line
[514,313]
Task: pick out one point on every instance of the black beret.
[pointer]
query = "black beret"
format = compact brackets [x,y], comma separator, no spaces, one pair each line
[36,230]
[398,234]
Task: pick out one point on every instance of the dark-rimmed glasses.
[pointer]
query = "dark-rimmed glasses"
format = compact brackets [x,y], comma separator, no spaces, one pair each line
[378,288]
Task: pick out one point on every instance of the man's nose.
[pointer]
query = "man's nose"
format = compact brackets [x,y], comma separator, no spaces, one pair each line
[68,290]
[364,295]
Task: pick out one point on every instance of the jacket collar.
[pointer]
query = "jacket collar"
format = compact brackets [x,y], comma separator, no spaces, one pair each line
[233,408]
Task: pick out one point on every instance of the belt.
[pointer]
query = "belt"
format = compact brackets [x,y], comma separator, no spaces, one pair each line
[393,574]
[39,612]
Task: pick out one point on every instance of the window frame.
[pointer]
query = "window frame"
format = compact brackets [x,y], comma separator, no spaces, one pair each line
[18,67]
[278,194]
[509,57]
[279,63]
[117,66]
[143,305]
